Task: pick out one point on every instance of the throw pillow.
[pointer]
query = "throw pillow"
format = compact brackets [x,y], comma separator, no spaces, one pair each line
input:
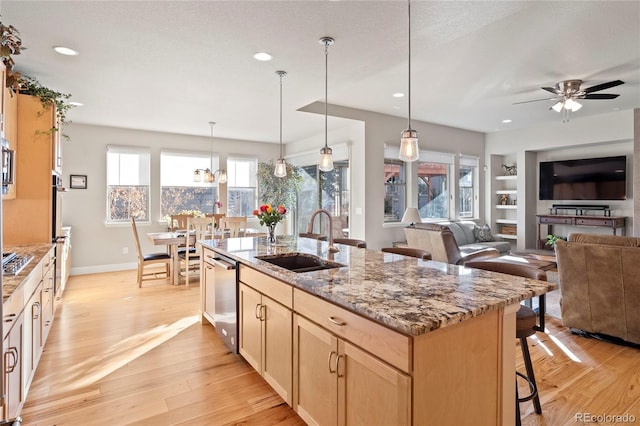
[483,234]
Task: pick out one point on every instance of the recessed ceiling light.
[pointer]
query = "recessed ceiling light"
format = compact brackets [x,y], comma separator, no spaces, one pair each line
[75,104]
[262,56]
[65,50]
[506,121]
[398,95]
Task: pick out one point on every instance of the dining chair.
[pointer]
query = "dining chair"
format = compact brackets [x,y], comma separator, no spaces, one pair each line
[236,225]
[218,218]
[203,228]
[149,259]
[179,222]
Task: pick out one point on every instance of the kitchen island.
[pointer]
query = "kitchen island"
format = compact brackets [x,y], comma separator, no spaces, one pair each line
[380,338]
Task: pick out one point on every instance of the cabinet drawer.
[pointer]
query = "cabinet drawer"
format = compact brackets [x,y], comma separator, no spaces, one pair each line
[208,255]
[276,290]
[12,309]
[378,340]
[556,220]
[594,222]
[47,262]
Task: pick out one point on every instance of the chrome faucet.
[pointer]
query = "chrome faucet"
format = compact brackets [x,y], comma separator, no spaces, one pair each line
[332,248]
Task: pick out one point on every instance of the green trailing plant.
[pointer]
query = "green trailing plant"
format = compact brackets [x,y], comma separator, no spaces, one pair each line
[551,240]
[10,44]
[31,86]
[278,190]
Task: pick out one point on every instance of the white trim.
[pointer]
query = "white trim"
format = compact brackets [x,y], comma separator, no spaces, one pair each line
[436,157]
[103,268]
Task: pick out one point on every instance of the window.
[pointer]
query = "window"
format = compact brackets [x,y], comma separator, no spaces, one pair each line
[242,186]
[467,178]
[326,190]
[433,184]
[128,170]
[394,189]
[178,191]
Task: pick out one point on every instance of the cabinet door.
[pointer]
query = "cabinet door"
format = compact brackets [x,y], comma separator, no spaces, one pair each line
[12,352]
[277,346]
[314,375]
[31,336]
[387,400]
[207,286]
[250,341]
[46,316]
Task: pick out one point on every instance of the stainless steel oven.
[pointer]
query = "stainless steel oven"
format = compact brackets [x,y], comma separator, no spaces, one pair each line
[8,166]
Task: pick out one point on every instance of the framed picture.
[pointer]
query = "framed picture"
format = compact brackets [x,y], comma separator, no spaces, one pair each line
[78,181]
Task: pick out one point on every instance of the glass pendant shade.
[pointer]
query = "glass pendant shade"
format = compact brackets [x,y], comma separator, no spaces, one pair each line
[196,176]
[326,159]
[223,176]
[281,168]
[409,150]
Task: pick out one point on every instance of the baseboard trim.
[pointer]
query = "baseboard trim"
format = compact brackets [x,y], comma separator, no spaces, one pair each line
[102,268]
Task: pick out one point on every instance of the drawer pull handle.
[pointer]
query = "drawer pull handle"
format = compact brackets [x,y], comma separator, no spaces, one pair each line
[331,354]
[337,322]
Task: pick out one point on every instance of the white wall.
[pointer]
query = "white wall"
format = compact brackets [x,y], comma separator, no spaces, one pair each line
[97,247]
[582,137]
[367,164]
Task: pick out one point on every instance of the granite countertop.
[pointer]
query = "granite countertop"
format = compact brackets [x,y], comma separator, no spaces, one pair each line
[406,294]
[11,282]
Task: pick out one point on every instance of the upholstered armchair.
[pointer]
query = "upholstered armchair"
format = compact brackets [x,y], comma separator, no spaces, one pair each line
[600,284]
[441,243]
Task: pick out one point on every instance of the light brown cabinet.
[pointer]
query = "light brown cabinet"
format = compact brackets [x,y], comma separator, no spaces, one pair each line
[9,131]
[27,219]
[330,378]
[13,354]
[265,330]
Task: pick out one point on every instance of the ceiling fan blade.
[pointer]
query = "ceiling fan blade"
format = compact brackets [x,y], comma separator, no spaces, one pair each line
[600,96]
[535,100]
[552,90]
[603,86]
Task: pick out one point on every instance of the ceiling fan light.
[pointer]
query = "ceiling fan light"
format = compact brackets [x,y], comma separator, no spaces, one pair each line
[557,107]
[326,159]
[281,168]
[572,105]
[409,150]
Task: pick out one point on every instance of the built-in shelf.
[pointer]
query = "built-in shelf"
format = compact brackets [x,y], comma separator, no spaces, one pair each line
[507,206]
[507,191]
[509,177]
[507,221]
[507,236]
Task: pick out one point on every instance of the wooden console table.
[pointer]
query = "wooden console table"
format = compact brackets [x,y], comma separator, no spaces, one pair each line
[612,222]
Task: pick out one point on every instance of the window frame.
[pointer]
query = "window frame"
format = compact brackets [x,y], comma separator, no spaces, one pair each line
[144,179]
[391,158]
[447,159]
[467,161]
[231,177]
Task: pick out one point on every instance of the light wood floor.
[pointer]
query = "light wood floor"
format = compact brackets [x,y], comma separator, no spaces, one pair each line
[120,355]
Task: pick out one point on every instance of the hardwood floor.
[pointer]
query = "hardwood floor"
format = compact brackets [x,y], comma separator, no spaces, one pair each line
[121,355]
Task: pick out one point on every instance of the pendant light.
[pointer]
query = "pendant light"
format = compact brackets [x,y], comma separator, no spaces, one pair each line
[326,154]
[281,165]
[208,174]
[409,150]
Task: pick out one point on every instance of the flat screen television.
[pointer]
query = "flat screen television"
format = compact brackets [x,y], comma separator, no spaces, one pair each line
[587,179]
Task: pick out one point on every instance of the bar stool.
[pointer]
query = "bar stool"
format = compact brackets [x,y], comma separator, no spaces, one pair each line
[526,323]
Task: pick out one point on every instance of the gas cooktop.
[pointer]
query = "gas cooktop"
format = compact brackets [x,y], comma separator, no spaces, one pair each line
[13,263]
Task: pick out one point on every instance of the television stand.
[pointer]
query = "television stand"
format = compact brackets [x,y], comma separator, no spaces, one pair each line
[613,222]
[580,209]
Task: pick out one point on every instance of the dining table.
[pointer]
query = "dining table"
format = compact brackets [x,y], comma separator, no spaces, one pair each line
[178,238]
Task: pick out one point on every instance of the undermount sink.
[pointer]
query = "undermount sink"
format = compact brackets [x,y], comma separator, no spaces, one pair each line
[300,262]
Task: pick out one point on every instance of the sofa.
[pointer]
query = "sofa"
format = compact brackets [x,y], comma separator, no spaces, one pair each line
[465,232]
[440,241]
[600,284]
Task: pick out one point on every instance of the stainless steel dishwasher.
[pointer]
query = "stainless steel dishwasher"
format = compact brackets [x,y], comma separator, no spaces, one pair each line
[225,317]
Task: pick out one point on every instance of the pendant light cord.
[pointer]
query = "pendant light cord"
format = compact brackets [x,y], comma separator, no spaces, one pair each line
[281,75]
[326,84]
[409,31]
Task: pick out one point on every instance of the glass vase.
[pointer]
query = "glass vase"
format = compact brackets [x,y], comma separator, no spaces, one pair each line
[271,238]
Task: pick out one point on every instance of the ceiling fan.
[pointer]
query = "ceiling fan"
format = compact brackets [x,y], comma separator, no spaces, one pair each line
[568,92]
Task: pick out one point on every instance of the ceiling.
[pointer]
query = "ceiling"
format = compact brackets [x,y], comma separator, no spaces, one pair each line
[173,66]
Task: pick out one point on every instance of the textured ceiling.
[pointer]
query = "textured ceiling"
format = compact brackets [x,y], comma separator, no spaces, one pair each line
[173,66]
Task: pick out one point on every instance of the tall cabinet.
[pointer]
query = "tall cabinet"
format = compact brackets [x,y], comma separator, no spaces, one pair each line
[28,218]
